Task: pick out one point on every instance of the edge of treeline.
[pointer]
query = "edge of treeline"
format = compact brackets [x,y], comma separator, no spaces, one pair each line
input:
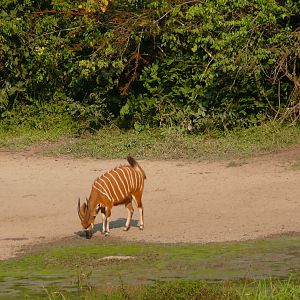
[196,65]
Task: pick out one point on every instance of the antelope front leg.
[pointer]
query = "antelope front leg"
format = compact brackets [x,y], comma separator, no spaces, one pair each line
[107,215]
[103,223]
[106,232]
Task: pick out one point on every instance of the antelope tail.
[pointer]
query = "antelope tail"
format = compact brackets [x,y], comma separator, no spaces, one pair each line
[135,165]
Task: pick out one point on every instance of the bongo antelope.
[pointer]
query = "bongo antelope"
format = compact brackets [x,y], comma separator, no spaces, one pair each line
[118,186]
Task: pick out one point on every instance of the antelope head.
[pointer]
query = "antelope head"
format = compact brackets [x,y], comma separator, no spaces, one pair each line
[84,216]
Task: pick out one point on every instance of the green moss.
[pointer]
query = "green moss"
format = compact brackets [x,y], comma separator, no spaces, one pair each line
[64,266]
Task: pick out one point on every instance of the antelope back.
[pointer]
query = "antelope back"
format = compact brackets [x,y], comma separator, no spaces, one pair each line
[119,184]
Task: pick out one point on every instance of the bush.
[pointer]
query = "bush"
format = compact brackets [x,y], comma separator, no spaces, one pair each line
[200,66]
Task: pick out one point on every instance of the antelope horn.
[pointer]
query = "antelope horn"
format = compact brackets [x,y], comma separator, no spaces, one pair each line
[87,213]
[79,213]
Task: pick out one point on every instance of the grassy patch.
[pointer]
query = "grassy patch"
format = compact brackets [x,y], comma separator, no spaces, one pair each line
[44,130]
[201,290]
[110,143]
[25,139]
[242,289]
[81,265]
[171,144]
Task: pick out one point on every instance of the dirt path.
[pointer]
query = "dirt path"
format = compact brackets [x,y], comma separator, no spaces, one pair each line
[184,201]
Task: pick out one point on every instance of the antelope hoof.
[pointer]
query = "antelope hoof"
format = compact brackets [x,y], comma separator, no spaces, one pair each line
[126,228]
[106,233]
[141,227]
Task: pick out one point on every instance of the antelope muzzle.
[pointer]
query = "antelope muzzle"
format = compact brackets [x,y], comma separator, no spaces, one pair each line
[88,234]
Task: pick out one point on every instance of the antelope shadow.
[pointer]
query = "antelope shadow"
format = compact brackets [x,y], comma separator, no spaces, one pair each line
[112,224]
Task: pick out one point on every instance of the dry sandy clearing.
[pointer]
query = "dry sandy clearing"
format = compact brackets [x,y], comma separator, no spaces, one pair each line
[184,201]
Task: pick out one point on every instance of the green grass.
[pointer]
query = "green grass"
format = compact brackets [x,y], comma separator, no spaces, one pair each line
[171,144]
[288,289]
[54,131]
[260,290]
[24,139]
[164,143]
[78,265]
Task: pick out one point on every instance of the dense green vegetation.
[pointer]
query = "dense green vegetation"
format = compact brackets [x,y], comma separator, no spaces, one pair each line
[197,65]
[214,271]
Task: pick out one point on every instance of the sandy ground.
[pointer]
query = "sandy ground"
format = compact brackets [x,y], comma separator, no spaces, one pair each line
[184,201]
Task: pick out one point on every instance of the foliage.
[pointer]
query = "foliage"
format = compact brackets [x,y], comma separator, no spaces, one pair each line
[216,65]
[140,63]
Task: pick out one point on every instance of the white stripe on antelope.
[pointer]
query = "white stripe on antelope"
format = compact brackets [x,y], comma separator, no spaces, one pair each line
[118,186]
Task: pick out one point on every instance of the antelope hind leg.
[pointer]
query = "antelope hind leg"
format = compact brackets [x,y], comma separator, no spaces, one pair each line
[129,216]
[138,201]
[141,212]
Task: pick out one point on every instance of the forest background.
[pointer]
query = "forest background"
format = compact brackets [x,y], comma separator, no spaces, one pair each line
[196,65]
